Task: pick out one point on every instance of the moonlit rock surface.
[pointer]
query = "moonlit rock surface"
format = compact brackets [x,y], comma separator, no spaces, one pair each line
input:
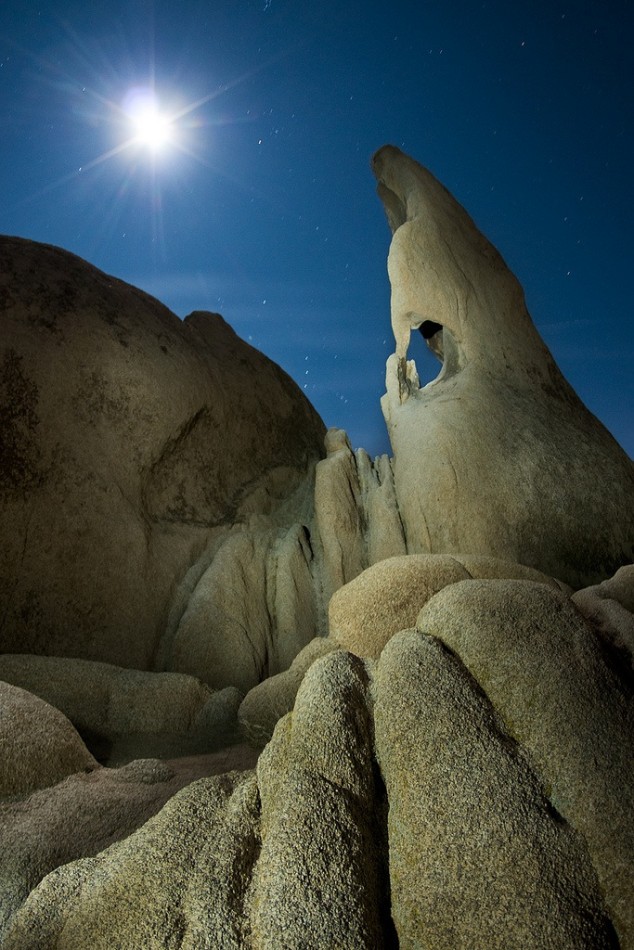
[38,744]
[497,455]
[130,441]
[565,699]
[402,767]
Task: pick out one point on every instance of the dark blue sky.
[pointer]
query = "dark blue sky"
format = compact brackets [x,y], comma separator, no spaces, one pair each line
[263,208]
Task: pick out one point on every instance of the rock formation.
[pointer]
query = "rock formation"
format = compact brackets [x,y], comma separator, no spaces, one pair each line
[38,745]
[497,455]
[123,713]
[305,852]
[446,726]
[131,443]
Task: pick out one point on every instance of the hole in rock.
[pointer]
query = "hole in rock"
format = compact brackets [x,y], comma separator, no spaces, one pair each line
[427,363]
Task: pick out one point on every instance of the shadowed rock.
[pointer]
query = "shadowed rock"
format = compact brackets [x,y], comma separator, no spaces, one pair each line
[543,669]
[125,714]
[265,704]
[298,853]
[130,440]
[478,858]
[86,813]
[609,607]
[38,744]
[497,455]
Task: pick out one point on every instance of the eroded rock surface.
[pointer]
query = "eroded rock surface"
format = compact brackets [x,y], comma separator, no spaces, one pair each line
[497,455]
[265,704]
[451,766]
[129,438]
[388,597]
[544,670]
[39,746]
[478,857]
[609,607]
[123,714]
[397,805]
[89,811]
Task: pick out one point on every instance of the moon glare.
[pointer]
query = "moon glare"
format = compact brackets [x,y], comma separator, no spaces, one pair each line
[150,126]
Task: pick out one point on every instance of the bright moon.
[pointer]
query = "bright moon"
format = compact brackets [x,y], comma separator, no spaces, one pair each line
[151,128]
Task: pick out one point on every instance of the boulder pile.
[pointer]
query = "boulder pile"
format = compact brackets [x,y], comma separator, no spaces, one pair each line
[259,690]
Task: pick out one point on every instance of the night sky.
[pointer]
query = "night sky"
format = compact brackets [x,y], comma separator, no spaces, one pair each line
[261,204]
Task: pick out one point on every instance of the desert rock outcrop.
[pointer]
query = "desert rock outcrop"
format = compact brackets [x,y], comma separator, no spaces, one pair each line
[123,713]
[478,857]
[545,672]
[265,704]
[38,744]
[392,778]
[609,606]
[130,440]
[498,455]
[86,813]
[387,597]
[447,728]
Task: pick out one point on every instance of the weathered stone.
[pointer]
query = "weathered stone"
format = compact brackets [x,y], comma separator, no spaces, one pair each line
[308,867]
[388,597]
[609,607]
[338,514]
[317,881]
[497,455]
[383,528]
[291,598]
[225,631]
[542,667]
[129,438]
[80,816]
[38,744]
[166,885]
[123,713]
[265,704]
[478,858]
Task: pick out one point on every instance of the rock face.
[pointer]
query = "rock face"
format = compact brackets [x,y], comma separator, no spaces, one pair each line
[129,441]
[387,597]
[478,857]
[609,606]
[265,704]
[393,807]
[81,816]
[148,879]
[542,667]
[497,455]
[38,745]
[447,728]
[123,714]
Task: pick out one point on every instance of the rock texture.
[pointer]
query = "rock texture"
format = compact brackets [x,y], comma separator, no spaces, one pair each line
[386,598]
[478,856]
[318,878]
[153,888]
[497,455]
[542,667]
[38,745]
[393,807]
[264,705]
[252,610]
[609,606]
[129,438]
[123,713]
[450,767]
[86,813]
